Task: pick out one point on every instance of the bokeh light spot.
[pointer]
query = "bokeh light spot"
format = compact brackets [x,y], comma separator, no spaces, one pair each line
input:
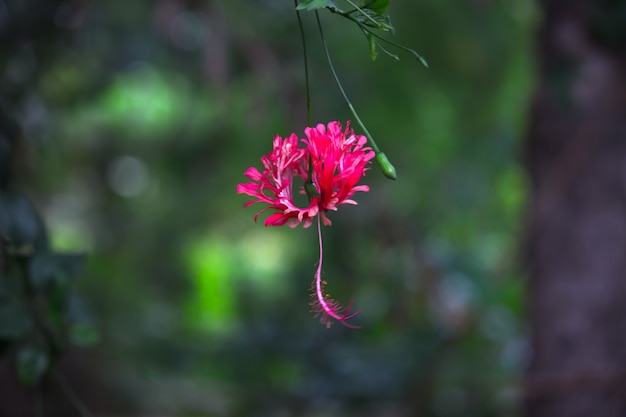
[128,176]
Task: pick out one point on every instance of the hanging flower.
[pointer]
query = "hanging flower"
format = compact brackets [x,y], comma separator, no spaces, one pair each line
[338,161]
[274,185]
[334,160]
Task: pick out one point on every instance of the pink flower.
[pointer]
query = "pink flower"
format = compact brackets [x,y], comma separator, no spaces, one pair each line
[338,160]
[274,185]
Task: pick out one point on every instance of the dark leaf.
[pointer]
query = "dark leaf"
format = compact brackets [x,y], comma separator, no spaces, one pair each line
[78,315]
[20,224]
[15,322]
[53,270]
[32,364]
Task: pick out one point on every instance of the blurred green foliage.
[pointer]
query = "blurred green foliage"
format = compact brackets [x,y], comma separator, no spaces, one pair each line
[141,118]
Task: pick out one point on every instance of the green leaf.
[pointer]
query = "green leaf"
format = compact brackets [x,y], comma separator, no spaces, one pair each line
[83,335]
[315,4]
[32,363]
[377,6]
[78,315]
[371,18]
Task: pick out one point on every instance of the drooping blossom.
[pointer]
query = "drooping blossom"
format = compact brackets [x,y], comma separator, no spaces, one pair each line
[274,185]
[338,160]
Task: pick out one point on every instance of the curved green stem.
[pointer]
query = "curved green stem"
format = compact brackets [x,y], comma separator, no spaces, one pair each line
[386,166]
[397,45]
[309,188]
[306,65]
[362,12]
[341,89]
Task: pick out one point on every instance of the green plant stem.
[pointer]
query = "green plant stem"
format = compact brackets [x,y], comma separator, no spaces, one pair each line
[343,92]
[306,65]
[397,45]
[363,12]
[309,188]
[381,159]
[71,394]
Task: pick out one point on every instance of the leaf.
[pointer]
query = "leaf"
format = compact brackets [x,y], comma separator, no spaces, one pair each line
[32,363]
[371,18]
[82,330]
[83,335]
[377,6]
[20,224]
[15,322]
[308,5]
[53,270]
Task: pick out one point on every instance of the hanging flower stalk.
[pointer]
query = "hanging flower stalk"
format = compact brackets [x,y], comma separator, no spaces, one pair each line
[330,162]
[334,160]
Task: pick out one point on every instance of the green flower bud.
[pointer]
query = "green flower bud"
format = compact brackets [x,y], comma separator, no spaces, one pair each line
[388,169]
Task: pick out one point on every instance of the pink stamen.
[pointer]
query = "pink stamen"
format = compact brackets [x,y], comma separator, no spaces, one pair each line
[324,305]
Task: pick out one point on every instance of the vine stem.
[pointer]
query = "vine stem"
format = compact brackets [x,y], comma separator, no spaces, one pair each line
[343,92]
[306,65]
[362,12]
[309,188]
[388,169]
[420,58]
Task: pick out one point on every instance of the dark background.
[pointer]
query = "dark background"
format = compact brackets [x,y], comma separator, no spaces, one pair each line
[132,122]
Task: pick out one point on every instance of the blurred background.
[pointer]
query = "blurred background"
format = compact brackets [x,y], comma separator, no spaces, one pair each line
[131,125]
